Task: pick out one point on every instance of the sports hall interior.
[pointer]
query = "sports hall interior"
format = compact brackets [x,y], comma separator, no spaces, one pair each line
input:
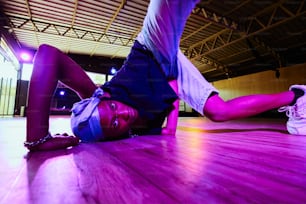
[241,47]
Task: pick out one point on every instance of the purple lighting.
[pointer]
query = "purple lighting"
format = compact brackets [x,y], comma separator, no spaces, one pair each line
[62,93]
[113,70]
[25,57]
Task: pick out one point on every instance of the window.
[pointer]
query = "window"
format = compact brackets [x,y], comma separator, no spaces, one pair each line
[26,72]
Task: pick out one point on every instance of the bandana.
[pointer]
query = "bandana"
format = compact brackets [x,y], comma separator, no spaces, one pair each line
[85,119]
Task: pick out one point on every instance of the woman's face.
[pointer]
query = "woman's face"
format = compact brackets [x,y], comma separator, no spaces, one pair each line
[116,118]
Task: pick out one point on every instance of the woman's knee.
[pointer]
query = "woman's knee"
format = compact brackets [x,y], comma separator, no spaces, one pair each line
[46,48]
[46,54]
[217,115]
[216,109]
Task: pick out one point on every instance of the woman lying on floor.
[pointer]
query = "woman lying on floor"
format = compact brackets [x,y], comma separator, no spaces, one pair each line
[144,92]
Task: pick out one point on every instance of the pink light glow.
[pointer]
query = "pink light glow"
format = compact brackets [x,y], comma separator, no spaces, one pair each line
[25,56]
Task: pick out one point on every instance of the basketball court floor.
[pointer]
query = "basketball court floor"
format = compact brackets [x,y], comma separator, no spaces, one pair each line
[243,161]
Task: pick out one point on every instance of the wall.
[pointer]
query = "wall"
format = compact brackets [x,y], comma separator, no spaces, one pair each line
[263,82]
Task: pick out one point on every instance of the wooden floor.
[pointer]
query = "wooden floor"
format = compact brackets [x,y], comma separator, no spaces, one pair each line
[247,161]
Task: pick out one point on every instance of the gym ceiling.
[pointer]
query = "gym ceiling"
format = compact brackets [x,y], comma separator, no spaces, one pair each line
[222,38]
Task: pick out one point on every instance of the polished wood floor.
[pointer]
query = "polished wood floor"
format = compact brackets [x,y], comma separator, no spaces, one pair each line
[245,161]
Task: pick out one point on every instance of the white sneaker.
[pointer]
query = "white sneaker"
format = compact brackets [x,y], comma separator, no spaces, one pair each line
[296,123]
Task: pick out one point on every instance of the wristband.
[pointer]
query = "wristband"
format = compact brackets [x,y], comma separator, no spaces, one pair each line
[38,142]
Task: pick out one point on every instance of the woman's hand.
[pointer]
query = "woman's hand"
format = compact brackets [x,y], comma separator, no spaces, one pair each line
[59,141]
[168,131]
[172,118]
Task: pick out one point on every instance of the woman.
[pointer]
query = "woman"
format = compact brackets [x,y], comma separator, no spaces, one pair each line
[145,91]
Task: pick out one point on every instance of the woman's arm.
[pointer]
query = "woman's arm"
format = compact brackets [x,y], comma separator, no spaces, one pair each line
[171,124]
[50,66]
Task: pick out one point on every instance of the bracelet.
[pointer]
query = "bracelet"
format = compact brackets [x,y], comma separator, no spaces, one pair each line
[38,142]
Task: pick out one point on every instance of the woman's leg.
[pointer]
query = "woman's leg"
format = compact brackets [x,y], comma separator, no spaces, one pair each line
[162,29]
[292,101]
[217,109]
[198,93]
[51,66]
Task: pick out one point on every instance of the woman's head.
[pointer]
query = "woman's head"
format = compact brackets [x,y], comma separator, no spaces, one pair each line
[116,118]
[101,118]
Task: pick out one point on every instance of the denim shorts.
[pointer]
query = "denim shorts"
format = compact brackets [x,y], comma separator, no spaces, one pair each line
[193,88]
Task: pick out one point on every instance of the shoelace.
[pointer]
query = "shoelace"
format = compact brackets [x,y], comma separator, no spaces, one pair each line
[292,112]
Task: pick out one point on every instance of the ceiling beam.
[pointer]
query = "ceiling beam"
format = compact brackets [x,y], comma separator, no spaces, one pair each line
[33,25]
[255,25]
[215,64]
[237,7]
[211,18]
[196,31]
[223,37]
[76,2]
[131,40]
[123,2]
[215,18]
[22,23]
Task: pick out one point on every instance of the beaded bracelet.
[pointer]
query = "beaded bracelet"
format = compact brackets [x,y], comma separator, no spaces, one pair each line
[38,142]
